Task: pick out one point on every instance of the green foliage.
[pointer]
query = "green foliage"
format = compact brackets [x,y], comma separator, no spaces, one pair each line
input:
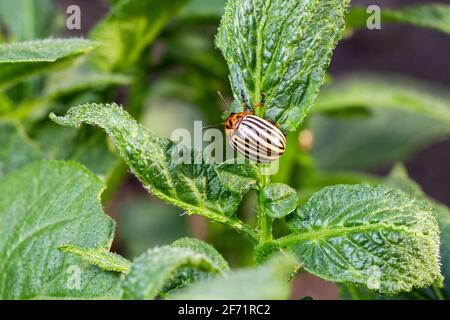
[367,142]
[399,179]
[85,147]
[128,29]
[153,269]
[373,236]
[279,200]
[278,53]
[203,9]
[269,281]
[420,112]
[100,257]
[62,87]
[159,163]
[24,59]
[55,240]
[435,16]
[16,148]
[394,92]
[27,19]
[203,248]
[43,206]
[238,177]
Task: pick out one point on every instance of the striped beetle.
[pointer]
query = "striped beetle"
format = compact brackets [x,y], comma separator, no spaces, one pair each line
[255,138]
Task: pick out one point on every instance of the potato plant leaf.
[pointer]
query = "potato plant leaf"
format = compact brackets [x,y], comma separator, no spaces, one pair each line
[100,257]
[279,200]
[16,148]
[386,136]
[434,16]
[176,174]
[70,83]
[153,269]
[278,52]
[128,29]
[377,237]
[24,59]
[203,10]
[238,177]
[203,248]
[401,116]
[43,206]
[27,19]
[377,91]
[399,179]
[265,282]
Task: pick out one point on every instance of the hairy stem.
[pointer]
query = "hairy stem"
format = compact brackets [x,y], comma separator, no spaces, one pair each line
[264,220]
[437,291]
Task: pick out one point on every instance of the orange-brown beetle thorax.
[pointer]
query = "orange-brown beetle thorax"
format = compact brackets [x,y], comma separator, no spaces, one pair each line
[233,121]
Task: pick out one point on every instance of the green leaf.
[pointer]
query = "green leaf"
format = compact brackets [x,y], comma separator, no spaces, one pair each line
[387,136]
[89,148]
[16,148]
[100,257]
[43,206]
[266,282]
[24,59]
[152,270]
[203,10]
[402,116]
[372,236]
[27,19]
[399,178]
[5,104]
[278,53]
[203,248]
[160,165]
[279,200]
[128,29]
[238,177]
[378,91]
[435,16]
[68,84]
[187,275]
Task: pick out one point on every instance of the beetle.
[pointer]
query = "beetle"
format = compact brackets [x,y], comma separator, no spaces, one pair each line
[255,138]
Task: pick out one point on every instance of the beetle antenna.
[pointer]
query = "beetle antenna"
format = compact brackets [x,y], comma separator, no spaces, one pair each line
[224,102]
[213,126]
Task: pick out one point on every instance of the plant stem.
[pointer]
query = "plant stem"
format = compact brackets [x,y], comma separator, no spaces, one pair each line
[437,292]
[264,221]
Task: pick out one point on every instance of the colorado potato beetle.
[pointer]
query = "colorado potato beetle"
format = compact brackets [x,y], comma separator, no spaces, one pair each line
[255,138]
